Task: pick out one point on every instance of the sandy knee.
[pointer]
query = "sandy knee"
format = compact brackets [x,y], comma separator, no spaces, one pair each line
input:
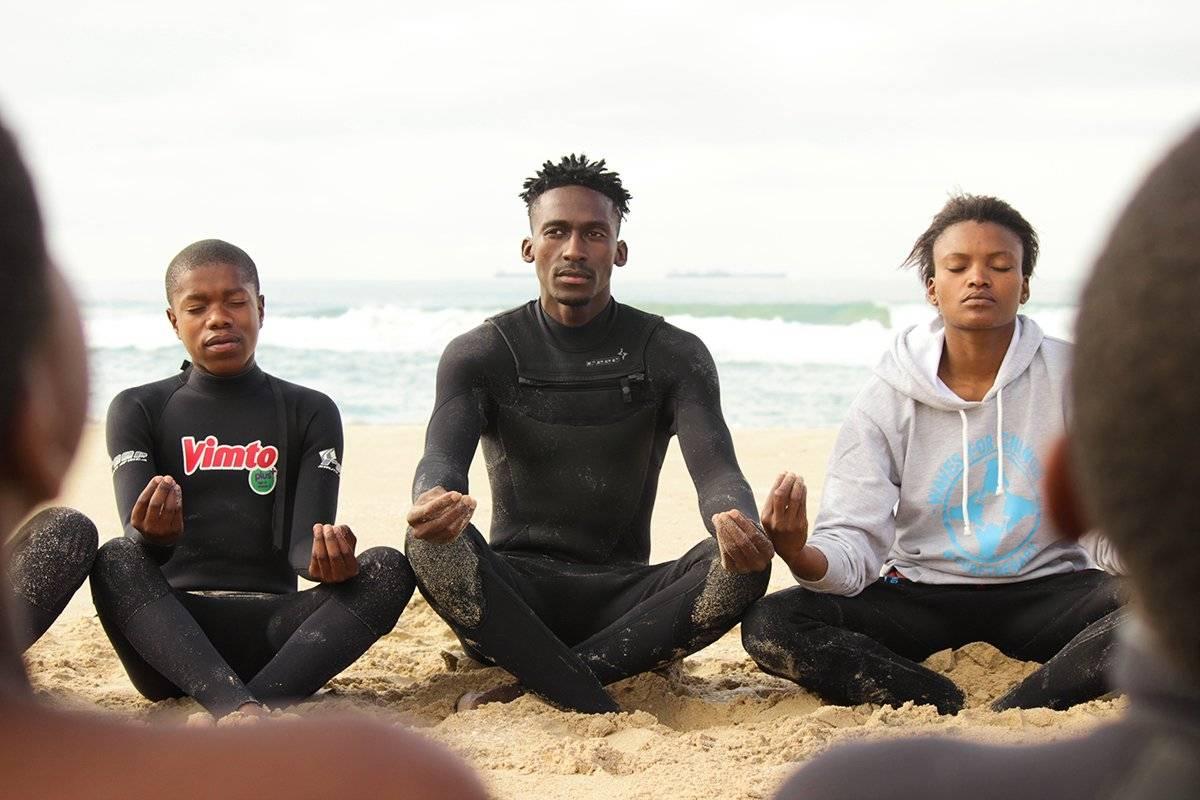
[381,590]
[726,595]
[115,558]
[761,639]
[448,574]
[70,530]
[387,570]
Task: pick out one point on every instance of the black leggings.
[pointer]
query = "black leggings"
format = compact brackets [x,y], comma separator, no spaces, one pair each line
[52,556]
[564,629]
[228,649]
[866,649]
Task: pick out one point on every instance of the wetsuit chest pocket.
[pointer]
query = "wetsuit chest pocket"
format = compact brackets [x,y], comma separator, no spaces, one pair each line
[584,402]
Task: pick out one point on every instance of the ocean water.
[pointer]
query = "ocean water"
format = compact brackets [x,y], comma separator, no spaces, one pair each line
[789,354]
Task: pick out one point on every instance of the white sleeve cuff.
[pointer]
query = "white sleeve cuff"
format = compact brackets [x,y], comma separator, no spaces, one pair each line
[839,577]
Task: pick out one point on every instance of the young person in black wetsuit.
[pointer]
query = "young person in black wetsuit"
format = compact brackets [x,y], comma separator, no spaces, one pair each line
[1128,466]
[53,754]
[226,481]
[575,397]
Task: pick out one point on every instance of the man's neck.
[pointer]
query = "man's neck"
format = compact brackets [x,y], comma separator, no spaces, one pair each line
[971,359]
[249,367]
[575,316]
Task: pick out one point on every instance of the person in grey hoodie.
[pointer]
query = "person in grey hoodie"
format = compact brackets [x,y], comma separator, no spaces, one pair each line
[1128,463]
[932,531]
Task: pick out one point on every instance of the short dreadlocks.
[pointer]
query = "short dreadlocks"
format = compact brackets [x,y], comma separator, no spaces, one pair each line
[576,170]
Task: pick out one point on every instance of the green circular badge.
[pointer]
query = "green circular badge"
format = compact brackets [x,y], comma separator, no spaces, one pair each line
[262,481]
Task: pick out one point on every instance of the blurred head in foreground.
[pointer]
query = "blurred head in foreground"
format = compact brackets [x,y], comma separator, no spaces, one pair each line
[43,372]
[1134,453]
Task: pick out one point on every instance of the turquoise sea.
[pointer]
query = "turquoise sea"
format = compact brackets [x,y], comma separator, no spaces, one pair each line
[789,353]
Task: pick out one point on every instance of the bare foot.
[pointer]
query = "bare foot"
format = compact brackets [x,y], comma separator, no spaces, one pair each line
[500,694]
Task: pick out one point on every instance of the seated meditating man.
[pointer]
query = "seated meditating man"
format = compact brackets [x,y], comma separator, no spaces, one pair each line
[1127,465]
[575,397]
[52,754]
[932,531]
[227,483]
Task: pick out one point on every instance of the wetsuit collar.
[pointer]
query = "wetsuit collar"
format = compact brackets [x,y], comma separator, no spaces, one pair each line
[225,385]
[582,338]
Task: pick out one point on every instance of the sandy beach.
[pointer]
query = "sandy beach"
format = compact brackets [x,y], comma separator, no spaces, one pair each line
[712,727]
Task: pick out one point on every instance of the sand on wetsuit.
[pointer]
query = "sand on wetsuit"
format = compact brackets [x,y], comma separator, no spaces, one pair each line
[50,559]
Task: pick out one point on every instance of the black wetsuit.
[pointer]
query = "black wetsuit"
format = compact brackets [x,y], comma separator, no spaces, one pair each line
[217,615]
[1151,753]
[51,557]
[575,423]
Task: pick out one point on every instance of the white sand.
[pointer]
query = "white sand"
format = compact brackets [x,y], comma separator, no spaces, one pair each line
[715,727]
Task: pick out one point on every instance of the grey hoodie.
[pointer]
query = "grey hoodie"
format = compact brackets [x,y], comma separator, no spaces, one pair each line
[897,494]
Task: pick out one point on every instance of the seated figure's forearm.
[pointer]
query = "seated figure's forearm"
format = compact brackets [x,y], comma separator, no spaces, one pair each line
[806,562]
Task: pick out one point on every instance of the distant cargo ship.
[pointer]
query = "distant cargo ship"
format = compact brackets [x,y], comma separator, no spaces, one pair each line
[716,273]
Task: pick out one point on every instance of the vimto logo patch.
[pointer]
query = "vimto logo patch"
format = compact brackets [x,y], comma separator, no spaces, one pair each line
[209,454]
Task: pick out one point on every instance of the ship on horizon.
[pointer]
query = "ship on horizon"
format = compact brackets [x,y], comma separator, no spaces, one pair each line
[720,273]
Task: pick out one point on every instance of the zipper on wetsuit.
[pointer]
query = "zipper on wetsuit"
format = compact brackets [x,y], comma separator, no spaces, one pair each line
[575,385]
[626,385]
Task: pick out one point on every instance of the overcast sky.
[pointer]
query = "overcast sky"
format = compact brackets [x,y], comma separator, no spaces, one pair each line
[390,139]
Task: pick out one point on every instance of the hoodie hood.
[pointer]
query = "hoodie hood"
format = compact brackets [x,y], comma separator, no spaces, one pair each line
[910,367]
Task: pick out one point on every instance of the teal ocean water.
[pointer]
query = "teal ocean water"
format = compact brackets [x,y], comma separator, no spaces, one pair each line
[789,354]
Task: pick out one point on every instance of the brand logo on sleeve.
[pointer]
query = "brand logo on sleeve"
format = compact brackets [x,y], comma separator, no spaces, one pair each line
[329,461]
[259,460]
[129,456]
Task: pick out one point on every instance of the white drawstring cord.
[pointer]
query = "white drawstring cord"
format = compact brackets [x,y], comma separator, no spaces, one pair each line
[1000,439]
[966,476]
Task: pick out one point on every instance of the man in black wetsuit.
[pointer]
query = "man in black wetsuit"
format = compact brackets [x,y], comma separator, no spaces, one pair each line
[575,398]
[226,481]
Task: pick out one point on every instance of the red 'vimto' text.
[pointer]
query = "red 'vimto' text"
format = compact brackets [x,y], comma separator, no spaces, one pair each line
[208,453]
